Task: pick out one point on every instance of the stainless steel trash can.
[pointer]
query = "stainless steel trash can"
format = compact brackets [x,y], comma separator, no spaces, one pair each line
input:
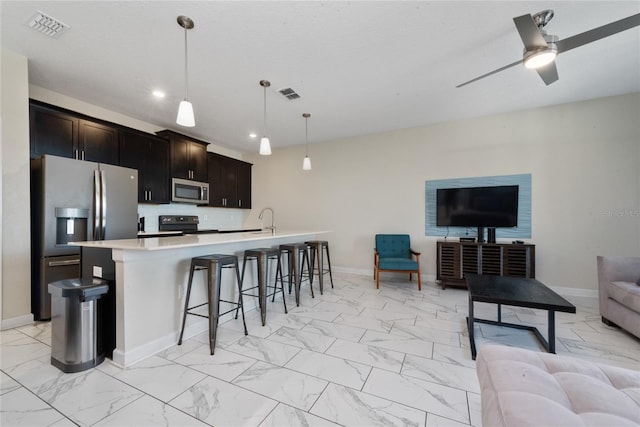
[74,323]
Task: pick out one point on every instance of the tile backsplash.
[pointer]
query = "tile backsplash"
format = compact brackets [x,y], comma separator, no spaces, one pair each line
[210,218]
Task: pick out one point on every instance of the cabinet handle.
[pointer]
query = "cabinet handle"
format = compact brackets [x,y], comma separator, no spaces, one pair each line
[239,203]
[82,154]
[76,156]
[150,195]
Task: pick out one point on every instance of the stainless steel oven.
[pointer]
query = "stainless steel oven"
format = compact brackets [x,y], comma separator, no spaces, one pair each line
[186,191]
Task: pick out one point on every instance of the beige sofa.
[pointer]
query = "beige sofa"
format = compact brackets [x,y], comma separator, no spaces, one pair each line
[523,388]
[619,294]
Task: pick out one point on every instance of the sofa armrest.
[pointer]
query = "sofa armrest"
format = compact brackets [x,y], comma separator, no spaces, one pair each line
[613,269]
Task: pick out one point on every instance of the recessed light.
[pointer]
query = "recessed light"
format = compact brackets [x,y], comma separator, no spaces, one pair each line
[252,135]
[158,94]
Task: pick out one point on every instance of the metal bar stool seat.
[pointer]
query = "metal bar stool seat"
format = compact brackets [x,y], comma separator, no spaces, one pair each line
[263,256]
[297,254]
[317,247]
[214,264]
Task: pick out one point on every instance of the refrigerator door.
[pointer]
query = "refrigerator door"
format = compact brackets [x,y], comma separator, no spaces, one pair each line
[66,184]
[119,202]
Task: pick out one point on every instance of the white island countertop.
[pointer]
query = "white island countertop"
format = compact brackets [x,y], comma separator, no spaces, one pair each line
[150,284]
[191,240]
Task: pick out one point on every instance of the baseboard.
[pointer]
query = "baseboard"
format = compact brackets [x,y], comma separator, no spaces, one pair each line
[16,322]
[142,352]
[369,272]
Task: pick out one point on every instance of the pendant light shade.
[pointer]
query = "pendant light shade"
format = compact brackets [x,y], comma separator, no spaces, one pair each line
[265,145]
[185,114]
[306,162]
[185,110]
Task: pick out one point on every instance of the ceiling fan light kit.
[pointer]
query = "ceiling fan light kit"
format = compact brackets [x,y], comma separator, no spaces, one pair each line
[541,49]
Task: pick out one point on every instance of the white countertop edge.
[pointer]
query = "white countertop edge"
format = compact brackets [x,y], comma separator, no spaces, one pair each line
[194,240]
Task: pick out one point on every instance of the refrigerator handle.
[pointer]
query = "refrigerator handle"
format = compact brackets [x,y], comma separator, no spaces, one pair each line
[97,205]
[103,181]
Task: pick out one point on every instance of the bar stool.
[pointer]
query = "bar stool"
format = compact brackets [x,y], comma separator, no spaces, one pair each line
[215,264]
[262,257]
[316,252]
[296,254]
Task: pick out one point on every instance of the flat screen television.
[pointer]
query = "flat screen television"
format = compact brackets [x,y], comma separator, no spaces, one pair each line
[495,206]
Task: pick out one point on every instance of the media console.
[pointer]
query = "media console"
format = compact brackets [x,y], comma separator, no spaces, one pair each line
[455,259]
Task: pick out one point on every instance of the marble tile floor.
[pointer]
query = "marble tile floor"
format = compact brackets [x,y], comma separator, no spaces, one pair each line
[355,356]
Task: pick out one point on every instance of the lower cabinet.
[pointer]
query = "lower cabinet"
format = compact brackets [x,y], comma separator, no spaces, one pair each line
[455,259]
[229,182]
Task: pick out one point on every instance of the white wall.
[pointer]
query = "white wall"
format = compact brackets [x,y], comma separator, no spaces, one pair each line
[16,247]
[583,158]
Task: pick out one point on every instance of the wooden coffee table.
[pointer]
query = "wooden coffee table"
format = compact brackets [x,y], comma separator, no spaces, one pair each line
[519,292]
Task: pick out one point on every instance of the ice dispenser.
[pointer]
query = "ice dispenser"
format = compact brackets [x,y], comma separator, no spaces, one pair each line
[71,225]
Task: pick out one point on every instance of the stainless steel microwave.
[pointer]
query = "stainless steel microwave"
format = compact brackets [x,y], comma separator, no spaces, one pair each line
[186,191]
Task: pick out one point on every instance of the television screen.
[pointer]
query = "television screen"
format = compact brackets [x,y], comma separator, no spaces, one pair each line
[478,206]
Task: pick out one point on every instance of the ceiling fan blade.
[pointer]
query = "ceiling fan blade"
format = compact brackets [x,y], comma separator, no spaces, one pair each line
[529,32]
[598,33]
[519,61]
[548,73]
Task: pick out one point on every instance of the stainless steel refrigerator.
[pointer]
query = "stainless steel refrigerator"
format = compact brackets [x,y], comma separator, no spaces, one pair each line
[75,200]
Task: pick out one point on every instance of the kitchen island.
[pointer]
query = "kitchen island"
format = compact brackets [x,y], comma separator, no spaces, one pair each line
[150,282]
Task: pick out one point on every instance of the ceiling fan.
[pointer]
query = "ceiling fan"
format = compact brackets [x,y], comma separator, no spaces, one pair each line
[541,49]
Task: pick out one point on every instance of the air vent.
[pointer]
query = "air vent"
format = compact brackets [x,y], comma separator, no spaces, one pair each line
[47,25]
[289,93]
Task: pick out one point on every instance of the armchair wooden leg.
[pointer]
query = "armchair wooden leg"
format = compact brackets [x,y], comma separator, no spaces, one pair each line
[377,274]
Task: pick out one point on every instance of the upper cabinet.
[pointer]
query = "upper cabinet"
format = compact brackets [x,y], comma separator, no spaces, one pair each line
[148,154]
[229,182]
[188,156]
[61,133]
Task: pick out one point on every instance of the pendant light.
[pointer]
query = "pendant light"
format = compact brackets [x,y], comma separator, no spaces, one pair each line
[265,145]
[185,110]
[306,162]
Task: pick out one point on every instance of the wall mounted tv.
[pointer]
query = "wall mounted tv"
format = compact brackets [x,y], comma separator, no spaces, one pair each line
[495,206]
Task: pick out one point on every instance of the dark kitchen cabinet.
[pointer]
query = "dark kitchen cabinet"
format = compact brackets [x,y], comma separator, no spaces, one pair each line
[52,132]
[150,156]
[188,156]
[229,182]
[62,133]
[97,142]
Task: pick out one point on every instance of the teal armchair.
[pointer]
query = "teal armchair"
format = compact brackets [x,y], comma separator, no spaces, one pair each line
[393,253]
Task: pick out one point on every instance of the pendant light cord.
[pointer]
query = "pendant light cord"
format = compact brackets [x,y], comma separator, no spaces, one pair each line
[306,134]
[264,134]
[186,74]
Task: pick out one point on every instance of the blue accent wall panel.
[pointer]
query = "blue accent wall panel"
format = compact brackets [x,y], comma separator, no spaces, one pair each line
[523,230]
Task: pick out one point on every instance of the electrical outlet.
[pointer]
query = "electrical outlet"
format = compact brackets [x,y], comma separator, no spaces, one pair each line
[97,271]
[205,217]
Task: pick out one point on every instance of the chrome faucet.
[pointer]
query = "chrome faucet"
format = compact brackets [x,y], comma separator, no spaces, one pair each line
[273,225]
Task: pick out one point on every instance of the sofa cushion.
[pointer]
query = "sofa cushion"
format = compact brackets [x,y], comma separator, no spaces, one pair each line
[525,388]
[626,293]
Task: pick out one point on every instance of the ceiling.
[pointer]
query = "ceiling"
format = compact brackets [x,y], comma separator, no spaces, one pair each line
[360,67]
